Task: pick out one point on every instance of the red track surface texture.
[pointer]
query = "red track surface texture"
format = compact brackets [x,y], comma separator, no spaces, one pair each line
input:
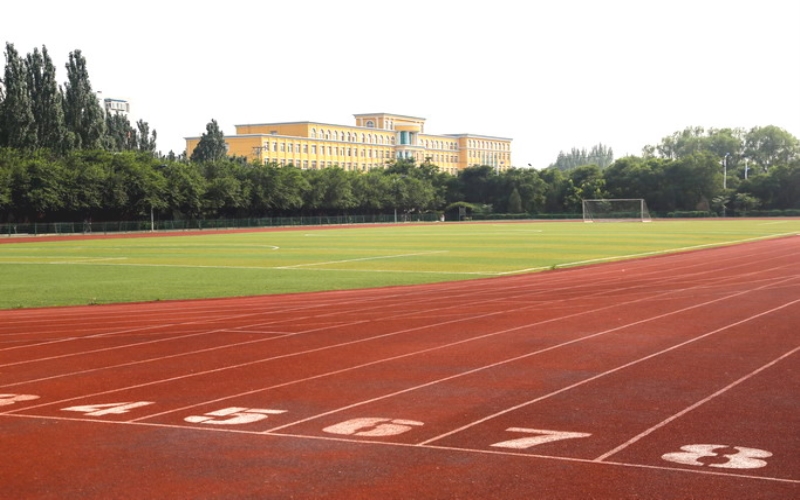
[672,378]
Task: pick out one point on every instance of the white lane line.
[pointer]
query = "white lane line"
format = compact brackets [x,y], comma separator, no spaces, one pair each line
[614,370]
[703,401]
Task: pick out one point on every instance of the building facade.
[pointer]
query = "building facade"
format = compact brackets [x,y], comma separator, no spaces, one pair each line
[374,140]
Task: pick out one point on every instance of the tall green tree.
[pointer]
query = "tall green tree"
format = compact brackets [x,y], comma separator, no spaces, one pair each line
[599,155]
[120,136]
[211,146]
[146,140]
[17,123]
[46,101]
[770,146]
[84,117]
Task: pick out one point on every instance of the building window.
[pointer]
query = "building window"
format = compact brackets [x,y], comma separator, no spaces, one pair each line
[370,124]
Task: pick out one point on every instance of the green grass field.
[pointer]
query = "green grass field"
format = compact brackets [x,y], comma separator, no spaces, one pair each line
[101,271]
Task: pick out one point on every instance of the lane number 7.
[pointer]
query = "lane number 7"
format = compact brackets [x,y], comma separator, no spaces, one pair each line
[541,437]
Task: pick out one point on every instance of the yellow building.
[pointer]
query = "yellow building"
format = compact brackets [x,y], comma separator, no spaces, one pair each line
[376,138]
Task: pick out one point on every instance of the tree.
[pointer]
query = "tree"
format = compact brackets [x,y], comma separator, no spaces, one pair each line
[46,101]
[146,140]
[558,186]
[599,155]
[690,183]
[82,112]
[225,193]
[770,146]
[17,123]
[211,146]
[515,202]
[330,190]
[185,189]
[120,136]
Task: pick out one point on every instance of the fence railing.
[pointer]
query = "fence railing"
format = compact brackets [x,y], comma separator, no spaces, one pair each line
[43,228]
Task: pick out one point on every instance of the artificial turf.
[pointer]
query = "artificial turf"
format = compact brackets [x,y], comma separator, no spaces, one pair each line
[101,271]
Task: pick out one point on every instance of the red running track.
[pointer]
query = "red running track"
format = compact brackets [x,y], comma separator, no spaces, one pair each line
[674,377]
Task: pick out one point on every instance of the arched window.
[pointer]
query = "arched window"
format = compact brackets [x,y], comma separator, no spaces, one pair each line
[370,124]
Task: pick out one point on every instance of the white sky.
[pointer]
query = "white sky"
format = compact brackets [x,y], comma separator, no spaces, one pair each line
[549,75]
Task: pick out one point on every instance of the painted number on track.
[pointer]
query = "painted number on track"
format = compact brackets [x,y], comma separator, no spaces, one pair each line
[98,410]
[234,416]
[372,427]
[719,456]
[541,437]
[10,399]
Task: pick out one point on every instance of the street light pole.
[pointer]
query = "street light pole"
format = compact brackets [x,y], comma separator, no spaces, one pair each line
[725,171]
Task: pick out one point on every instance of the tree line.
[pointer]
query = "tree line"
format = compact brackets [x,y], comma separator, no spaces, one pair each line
[90,184]
[63,159]
[37,113]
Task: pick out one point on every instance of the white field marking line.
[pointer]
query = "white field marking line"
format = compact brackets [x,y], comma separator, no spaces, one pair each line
[614,370]
[696,405]
[39,259]
[362,441]
[380,257]
[384,360]
[298,267]
[87,260]
[645,254]
[396,271]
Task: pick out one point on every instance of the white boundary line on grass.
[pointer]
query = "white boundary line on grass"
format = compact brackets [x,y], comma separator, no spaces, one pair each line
[647,254]
[362,259]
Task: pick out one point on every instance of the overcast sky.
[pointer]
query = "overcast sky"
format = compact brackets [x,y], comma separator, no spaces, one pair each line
[549,75]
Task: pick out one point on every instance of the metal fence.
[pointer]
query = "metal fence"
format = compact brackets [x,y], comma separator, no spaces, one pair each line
[51,228]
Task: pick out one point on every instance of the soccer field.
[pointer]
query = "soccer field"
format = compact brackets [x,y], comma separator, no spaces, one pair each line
[100,270]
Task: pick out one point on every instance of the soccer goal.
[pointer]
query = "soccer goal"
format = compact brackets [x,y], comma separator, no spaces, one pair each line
[634,210]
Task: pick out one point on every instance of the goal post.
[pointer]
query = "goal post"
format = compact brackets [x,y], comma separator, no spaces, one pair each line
[628,210]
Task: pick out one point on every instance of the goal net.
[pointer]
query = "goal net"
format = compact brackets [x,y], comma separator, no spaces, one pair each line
[634,210]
